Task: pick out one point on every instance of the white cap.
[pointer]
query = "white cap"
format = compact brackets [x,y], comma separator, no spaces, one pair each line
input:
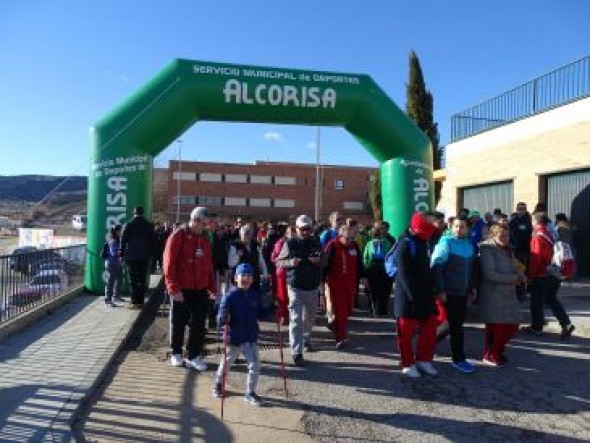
[303,220]
[199,213]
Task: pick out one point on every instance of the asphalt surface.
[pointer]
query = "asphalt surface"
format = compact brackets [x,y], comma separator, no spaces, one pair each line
[358,394]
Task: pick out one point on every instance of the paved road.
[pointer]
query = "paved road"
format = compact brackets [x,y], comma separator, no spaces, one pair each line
[543,394]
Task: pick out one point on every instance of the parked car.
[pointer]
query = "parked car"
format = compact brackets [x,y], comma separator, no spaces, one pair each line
[54,261]
[50,282]
[22,257]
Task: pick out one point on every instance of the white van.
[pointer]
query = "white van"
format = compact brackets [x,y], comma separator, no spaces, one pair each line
[79,222]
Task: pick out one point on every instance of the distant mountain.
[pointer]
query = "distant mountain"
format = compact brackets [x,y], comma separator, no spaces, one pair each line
[32,188]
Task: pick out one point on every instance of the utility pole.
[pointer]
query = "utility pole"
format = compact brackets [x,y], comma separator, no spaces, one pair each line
[318,184]
[178,180]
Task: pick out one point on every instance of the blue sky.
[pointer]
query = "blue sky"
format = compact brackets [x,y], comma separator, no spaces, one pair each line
[64,64]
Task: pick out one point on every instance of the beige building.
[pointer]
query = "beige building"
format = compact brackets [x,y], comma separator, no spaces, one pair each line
[540,156]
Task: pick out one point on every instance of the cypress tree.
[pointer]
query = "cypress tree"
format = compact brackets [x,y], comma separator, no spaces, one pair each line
[419,106]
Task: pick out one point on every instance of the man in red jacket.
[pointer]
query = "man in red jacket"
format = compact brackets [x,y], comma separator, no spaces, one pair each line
[189,277]
[345,268]
[544,286]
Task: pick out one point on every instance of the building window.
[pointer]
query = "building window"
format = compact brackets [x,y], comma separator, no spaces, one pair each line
[353,206]
[261,179]
[260,202]
[208,200]
[190,176]
[236,178]
[339,185]
[284,203]
[234,201]
[209,177]
[185,200]
[284,180]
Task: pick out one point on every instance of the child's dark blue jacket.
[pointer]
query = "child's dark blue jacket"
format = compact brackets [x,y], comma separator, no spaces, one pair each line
[244,309]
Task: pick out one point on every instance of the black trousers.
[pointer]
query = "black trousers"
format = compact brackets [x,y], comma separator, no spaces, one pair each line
[544,291]
[138,279]
[456,310]
[380,286]
[191,312]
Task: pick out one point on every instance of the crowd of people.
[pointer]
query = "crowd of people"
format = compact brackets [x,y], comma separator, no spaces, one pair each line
[220,271]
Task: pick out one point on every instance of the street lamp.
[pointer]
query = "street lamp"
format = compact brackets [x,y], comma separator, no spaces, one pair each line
[178,180]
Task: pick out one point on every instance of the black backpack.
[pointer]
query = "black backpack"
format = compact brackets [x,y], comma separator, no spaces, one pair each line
[106,252]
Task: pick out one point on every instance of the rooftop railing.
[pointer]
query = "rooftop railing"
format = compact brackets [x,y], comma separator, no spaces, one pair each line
[564,85]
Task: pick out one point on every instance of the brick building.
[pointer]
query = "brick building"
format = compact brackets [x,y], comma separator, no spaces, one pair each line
[267,190]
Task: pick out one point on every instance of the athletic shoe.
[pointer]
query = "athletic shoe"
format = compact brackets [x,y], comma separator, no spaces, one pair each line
[298,360]
[309,347]
[341,344]
[490,361]
[253,399]
[196,363]
[426,367]
[176,360]
[411,372]
[109,304]
[217,390]
[566,331]
[118,298]
[464,366]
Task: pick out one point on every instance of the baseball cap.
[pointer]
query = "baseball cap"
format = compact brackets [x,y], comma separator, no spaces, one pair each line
[199,213]
[303,220]
[245,268]
[473,214]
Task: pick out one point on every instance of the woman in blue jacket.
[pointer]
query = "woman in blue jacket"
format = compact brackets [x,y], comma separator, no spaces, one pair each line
[452,265]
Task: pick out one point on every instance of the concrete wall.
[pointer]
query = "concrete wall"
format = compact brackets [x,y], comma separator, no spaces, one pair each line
[524,151]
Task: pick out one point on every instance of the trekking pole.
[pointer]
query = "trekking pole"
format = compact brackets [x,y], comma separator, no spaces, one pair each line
[283,372]
[224,376]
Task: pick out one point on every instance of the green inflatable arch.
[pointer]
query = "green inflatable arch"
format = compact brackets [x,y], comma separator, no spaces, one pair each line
[184,92]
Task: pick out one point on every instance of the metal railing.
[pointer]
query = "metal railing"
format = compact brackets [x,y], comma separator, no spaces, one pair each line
[564,85]
[30,277]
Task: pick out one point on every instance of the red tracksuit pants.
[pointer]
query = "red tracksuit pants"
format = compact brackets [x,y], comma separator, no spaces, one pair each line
[496,337]
[342,300]
[406,328]
[282,295]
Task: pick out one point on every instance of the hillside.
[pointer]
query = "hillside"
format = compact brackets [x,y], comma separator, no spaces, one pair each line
[20,195]
[32,188]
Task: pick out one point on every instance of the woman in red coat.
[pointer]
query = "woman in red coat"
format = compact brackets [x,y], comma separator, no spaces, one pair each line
[345,267]
[281,277]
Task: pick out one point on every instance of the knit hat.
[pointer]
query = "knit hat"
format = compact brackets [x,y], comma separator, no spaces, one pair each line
[421,227]
[245,268]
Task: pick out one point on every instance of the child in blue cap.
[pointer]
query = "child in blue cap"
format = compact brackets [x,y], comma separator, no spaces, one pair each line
[240,309]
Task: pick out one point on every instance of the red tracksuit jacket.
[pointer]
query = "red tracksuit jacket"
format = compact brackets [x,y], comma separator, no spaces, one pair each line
[188,262]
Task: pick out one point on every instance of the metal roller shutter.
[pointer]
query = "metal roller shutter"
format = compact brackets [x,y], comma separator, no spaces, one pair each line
[570,193]
[488,197]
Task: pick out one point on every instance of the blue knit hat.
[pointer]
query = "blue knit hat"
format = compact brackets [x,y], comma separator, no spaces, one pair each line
[245,268]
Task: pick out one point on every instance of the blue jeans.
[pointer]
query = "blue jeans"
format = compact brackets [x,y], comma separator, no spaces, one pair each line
[544,291]
[113,287]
